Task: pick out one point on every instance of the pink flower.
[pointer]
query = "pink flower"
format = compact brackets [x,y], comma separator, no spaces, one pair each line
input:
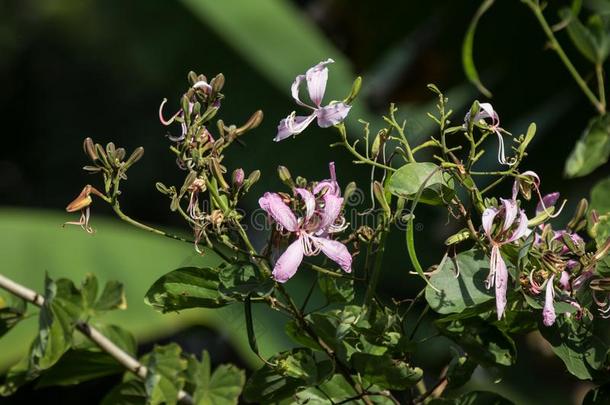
[512,226]
[486,111]
[320,219]
[327,116]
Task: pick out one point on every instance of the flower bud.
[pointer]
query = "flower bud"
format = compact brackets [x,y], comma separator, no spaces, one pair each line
[135,156]
[285,176]
[380,196]
[252,178]
[579,215]
[89,148]
[378,142]
[217,83]
[218,171]
[238,177]
[253,122]
[349,190]
[355,90]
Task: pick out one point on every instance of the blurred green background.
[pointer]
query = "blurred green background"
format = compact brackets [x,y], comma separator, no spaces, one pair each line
[76,68]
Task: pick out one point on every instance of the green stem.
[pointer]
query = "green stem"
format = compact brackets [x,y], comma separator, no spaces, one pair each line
[599,71]
[601,108]
[374,280]
[353,151]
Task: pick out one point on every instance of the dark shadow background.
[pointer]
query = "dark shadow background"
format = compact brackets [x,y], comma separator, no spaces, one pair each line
[71,69]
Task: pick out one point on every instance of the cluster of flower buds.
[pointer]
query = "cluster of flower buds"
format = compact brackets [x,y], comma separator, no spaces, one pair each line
[111,163]
[201,154]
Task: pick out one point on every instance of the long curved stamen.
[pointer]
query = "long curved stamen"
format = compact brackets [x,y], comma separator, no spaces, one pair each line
[545,208]
[162,119]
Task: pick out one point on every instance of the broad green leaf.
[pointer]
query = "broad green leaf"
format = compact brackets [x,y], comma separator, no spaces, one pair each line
[165,374]
[112,297]
[89,290]
[483,341]
[589,39]
[298,363]
[464,291]
[338,389]
[591,150]
[600,197]
[460,371]
[240,280]
[386,372]
[12,310]
[131,392]
[223,386]
[336,289]
[56,323]
[266,385]
[474,398]
[467,46]
[187,287]
[116,334]
[570,344]
[77,366]
[407,180]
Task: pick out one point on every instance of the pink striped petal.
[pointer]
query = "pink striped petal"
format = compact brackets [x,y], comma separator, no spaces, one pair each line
[295,91]
[292,125]
[488,219]
[309,199]
[332,114]
[288,263]
[547,201]
[330,212]
[510,212]
[521,230]
[335,251]
[548,312]
[316,81]
[276,208]
[500,272]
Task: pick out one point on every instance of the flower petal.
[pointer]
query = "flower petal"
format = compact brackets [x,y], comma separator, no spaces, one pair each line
[295,91]
[548,312]
[500,280]
[316,81]
[564,280]
[330,212]
[510,212]
[309,199]
[547,201]
[335,251]
[332,114]
[488,219]
[487,111]
[288,263]
[282,214]
[292,125]
[521,230]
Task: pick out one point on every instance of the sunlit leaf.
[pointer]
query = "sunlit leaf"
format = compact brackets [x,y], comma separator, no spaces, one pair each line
[591,150]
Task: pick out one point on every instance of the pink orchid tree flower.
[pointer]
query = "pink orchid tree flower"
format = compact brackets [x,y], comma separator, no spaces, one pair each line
[327,116]
[490,116]
[320,219]
[502,225]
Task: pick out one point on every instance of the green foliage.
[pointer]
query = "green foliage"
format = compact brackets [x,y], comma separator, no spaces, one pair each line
[187,287]
[406,182]
[591,39]
[459,283]
[336,289]
[600,197]
[165,376]
[591,150]
[239,280]
[12,310]
[467,49]
[484,342]
[223,386]
[385,372]
[474,398]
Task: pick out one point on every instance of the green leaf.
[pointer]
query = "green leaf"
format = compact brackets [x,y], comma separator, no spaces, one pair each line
[336,389]
[483,341]
[165,374]
[459,371]
[474,398]
[464,291]
[591,150]
[600,196]
[77,366]
[298,363]
[570,342]
[56,323]
[113,297]
[18,375]
[116,334]
[243,279]
[266,385]
[131,392]
[407,180]
[12,310]
[187,287]
[223,386]
[590,39]
[88,289]
[386,372]
[467,46]
[336,289]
